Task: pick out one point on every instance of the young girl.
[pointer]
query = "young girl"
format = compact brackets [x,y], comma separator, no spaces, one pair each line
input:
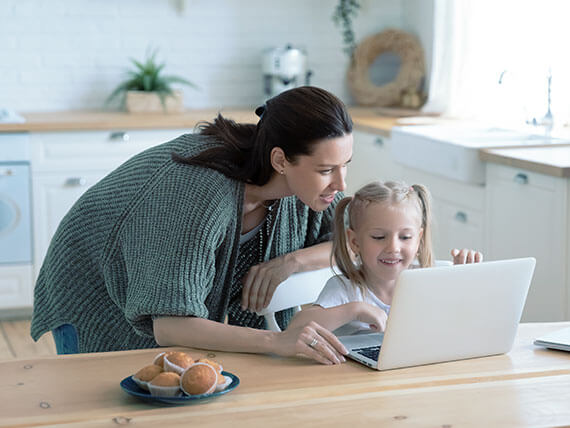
[388,231]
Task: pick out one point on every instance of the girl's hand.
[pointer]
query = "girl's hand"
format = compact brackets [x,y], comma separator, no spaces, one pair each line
[313,341]
[261,281]
[466,255]
[372,315]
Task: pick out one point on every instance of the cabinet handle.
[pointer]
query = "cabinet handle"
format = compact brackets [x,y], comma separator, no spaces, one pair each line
[75,182]
[379,142]
[6,172]
[521,178]
[461,217]
[119,136]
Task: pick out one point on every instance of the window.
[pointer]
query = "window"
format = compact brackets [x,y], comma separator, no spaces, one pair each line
[492,59]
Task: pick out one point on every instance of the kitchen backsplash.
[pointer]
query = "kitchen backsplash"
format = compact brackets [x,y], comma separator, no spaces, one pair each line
[70,54]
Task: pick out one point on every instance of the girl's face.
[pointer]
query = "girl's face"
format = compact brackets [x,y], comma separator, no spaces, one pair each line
[387,239]
[315,179]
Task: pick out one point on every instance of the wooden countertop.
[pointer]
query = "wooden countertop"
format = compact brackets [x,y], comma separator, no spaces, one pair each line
[529,386]
[364,119]
[99,120]
[550,160]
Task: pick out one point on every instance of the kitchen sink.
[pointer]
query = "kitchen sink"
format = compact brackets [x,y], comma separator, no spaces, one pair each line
[453,151]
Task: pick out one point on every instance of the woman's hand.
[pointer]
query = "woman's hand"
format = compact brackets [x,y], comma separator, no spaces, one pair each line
[466,255]
[313,341]
[372,315]
[261,281]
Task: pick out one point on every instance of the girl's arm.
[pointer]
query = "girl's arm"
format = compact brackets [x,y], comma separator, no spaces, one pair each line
[336,316]
[206,334]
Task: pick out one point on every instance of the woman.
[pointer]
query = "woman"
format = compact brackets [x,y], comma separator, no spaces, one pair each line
[201,230]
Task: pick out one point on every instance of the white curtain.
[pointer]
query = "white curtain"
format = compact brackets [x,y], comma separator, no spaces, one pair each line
[492,59]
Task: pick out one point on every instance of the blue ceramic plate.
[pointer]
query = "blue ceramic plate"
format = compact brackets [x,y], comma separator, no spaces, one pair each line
[130,387]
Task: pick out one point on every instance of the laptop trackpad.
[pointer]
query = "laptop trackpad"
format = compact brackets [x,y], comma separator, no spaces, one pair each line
[362,340]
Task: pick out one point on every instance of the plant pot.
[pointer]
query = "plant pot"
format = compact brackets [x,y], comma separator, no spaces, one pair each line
[149,102]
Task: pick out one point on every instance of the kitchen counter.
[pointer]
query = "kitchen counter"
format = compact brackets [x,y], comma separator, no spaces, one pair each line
[549,160]
[529,386]
[99,120]
[364,119]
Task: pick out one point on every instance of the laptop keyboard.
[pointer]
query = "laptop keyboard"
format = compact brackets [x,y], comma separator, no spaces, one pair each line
[369,352]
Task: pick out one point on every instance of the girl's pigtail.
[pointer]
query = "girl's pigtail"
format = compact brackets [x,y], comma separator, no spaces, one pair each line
[340,250]
[425,250]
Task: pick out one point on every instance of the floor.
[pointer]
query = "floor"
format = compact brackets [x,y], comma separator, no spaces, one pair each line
[16,342]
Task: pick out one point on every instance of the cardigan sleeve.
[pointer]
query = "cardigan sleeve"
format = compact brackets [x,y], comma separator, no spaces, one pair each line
[168,253]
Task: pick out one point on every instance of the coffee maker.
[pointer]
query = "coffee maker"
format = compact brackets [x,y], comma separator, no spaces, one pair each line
[283,69]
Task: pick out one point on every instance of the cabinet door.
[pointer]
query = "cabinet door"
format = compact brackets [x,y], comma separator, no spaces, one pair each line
[371,160]
[53,196]
[456,226]
[527,217]
[15,290]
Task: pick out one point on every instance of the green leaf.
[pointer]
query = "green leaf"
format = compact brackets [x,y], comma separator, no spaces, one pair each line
[147,76]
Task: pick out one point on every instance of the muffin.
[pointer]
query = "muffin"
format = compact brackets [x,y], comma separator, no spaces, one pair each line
[145,375]
[159,359]
[177,362]
[214,364]
[200,378]
[165,384]
[223,381]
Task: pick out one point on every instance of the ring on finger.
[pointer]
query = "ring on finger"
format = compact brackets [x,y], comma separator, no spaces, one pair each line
[313,342]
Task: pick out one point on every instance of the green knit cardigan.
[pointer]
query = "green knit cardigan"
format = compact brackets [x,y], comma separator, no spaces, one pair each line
[154,237]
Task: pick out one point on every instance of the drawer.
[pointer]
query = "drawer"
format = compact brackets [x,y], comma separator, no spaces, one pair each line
[93,150]
[523,177]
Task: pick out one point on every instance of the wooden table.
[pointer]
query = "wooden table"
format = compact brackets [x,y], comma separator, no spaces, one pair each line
[528,386]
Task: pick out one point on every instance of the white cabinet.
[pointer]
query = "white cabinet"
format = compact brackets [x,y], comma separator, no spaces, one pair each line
[15,289]
[371,160]
[527,215]
[66,164]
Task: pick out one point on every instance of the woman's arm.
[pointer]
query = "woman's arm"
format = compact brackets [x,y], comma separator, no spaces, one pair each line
[207,334]
[262,280]
[336,316]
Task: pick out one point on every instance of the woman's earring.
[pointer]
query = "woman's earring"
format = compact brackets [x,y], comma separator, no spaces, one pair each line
[282,172]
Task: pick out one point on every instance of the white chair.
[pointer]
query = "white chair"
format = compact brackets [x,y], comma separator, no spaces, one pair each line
[303,288]
[299,289]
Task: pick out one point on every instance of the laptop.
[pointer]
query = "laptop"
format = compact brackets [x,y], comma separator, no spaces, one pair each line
[559,339]
[448,313]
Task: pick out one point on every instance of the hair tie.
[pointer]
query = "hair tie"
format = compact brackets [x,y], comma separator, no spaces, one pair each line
[260,111]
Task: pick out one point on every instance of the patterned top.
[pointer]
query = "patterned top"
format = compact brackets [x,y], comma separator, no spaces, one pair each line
[156,238]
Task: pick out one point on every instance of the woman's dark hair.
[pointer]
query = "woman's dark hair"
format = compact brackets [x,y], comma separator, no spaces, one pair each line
[293,120]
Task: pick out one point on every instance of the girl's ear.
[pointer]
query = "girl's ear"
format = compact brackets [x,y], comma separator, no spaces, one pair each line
[278,159]
[352,241]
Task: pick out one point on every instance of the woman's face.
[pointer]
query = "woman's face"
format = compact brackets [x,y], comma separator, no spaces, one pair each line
[315,179]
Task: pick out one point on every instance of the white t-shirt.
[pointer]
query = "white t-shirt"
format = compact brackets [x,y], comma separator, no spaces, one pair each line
[340,290]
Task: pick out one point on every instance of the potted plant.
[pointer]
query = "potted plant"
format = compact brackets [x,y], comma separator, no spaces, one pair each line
[147,90]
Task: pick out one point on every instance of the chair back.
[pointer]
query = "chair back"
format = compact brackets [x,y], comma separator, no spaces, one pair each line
[299,289]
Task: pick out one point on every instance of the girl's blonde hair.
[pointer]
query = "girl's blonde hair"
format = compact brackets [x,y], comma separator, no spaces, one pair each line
[377,192]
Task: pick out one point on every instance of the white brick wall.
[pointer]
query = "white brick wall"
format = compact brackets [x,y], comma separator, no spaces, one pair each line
[70,54]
